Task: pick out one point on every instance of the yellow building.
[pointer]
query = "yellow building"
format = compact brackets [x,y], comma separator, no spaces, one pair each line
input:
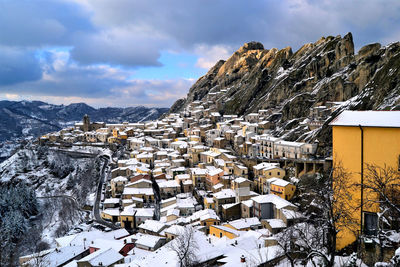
[221,231]
[361,138]
[265,171]
[209,203]
[281,188]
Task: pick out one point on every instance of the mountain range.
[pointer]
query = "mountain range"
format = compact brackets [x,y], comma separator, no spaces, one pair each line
[33,118]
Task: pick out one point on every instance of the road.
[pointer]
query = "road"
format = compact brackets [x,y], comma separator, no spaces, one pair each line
[96,206]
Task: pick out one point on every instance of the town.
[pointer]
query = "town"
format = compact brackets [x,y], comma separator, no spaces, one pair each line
[198,187]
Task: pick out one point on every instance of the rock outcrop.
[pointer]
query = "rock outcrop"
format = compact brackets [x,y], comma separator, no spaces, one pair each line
[328,70]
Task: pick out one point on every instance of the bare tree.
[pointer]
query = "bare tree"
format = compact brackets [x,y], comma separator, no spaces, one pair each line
[330,212]
[39,258]
[304,242]
[383,187]
[185,247]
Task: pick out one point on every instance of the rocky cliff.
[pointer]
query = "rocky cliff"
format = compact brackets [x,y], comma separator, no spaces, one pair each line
[290,83]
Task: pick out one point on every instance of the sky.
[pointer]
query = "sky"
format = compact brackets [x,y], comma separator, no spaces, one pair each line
[132,52]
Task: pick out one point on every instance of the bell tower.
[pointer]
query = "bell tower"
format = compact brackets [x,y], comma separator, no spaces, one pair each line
[86,123]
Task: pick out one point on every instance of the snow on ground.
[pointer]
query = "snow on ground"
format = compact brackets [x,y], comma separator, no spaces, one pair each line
[57,214]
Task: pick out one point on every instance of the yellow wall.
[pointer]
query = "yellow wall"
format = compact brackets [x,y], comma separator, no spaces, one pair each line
[123,218]
[208,205]
[274,173]
[381,146]
[106,216]
[216,232]
[287,192]
[243,229]
[209,222]
[265,174]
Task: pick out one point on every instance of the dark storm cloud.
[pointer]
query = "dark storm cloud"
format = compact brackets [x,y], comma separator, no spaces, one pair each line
[117,47]
[39,23]
[133,32]
[276,23]
[18,66]
[126,34]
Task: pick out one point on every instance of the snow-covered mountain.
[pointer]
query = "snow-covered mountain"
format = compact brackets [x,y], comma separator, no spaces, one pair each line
[33,118]
[290,83]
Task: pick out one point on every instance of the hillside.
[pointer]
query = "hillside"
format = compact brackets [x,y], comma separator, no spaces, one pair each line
[33,118]
[290,83]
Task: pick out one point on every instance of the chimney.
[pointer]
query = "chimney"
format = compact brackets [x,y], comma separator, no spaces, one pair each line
[242,259]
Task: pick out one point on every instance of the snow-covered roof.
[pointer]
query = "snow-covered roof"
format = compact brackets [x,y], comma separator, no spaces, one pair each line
[175,212]
[167,184]
[104,244]
[368,119]
[276,223]
[175,230]
[291,214]
[240,180]
[102,257]
[111,201]
[218,186]
[145,212]
[278,181]
[138,191]
[60,256]
[227,229]
[224,193]
[245,223]
[148,240]
[120,179]
[215,171]
[143,180]
[271,198]
[203,215]
[152,225]
[264,165]
[228,206]
[111,212]
[182,176]
[209,200]
[248,203]
[198,171]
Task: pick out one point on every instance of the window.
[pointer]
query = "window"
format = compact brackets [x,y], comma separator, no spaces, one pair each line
[370,223]
[279,173]
[399,164]
[220,234]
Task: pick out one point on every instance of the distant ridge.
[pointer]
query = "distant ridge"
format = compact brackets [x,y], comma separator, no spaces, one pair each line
[33,118]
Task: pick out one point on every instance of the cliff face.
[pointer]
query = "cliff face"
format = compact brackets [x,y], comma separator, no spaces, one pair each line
[255,78]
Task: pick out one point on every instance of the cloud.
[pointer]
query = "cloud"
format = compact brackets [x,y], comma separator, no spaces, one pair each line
[208,56]
[17,65]
[117,46]
[132,33]
[90,49]
[12,96]
[41,22]
[100,85]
